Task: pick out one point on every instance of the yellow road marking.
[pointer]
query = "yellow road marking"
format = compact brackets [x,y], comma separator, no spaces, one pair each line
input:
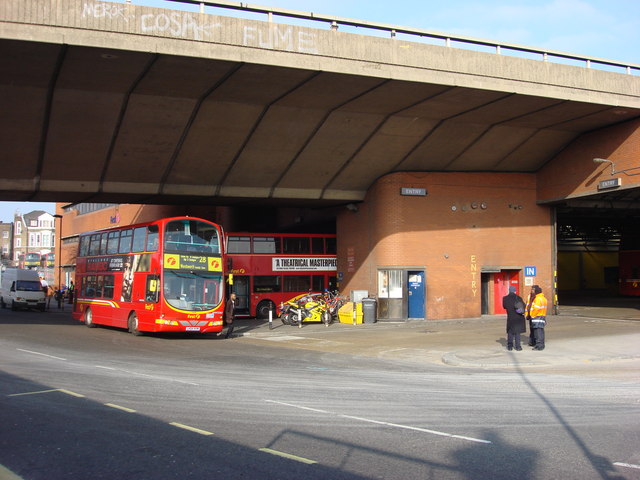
[192,429]
[6,474]
[32,393]
[288,455]
[68,392]
[113,405]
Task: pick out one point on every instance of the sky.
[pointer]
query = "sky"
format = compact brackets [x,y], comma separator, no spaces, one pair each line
[608,29]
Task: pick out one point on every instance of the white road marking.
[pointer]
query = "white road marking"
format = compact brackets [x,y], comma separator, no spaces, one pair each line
[387,424]
[628,465]
[147,375]
[417,429]
[43,354]
[283,338]
[300,407]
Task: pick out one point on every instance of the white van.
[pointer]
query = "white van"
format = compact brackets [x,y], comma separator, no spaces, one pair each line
[21,289]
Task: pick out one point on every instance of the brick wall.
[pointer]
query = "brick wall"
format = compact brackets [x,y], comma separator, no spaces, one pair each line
[573,173]
[488,219]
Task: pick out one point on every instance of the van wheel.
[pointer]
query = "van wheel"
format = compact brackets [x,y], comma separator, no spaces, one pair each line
[2,304]
[13,306]
[133,325]
[88,318]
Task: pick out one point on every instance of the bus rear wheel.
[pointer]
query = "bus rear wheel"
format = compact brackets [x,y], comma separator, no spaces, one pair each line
[133,324]
[264,307]
[88,318]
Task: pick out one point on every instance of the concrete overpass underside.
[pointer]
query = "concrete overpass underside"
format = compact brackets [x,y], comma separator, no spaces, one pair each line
[118,107]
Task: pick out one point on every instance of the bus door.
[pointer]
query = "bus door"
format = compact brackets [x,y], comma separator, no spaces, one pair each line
[241,288]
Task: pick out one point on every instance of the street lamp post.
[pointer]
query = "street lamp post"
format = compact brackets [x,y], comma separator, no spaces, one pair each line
[59,252]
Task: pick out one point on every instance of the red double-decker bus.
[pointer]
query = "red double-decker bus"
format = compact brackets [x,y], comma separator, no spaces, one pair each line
[29,261]
[161,276]
[269,268]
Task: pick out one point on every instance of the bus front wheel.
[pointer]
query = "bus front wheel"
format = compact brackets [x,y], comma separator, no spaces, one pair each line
[264,307]
[88,318]
[133,324]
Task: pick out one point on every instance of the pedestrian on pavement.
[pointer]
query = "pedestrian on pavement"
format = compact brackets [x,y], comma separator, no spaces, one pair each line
[538,314]
[527,314]
[514,305]
[50,294]
[71,291]
[59,297]
[229,314]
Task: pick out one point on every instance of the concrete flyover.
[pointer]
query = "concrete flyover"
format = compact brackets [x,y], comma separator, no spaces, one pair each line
[112,102]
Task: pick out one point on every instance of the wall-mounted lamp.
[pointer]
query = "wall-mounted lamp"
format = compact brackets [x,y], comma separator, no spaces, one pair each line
[613,167]
[351,207]
[604,160]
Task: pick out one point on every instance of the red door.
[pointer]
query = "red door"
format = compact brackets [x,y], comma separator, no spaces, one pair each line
[501,282]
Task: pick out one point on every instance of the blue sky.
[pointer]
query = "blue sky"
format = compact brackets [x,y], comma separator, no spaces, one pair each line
[607,29]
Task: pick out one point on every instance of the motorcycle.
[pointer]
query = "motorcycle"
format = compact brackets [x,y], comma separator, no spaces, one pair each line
[310,307]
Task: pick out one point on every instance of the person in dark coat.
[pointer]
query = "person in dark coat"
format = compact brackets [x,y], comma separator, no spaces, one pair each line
[229,314]
[514,305]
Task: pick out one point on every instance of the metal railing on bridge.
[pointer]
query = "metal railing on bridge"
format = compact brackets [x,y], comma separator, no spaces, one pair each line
[459,41]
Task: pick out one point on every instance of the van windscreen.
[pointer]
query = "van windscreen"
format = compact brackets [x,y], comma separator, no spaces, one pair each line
[28,286]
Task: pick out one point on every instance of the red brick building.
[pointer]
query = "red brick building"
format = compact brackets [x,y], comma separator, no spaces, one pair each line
[435,245]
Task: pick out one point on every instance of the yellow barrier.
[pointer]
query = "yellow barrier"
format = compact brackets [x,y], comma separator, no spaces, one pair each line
[345,314]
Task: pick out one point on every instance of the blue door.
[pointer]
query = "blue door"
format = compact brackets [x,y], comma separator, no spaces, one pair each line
[416,294]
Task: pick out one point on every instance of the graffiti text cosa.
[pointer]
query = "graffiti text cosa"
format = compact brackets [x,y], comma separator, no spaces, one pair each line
[177,24]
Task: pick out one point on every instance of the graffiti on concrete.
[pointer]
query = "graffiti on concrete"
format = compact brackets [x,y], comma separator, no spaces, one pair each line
[279,37]
[188,25]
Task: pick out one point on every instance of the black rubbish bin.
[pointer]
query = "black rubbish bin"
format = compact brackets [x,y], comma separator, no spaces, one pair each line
[369,310]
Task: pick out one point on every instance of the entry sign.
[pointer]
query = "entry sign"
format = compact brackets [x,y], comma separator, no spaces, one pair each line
[413,192]
[529,271]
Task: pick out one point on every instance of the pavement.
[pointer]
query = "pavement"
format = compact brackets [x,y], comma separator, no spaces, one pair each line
[599,337]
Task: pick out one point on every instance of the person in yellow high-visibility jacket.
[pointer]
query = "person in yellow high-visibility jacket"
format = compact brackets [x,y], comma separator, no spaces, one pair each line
[538,312]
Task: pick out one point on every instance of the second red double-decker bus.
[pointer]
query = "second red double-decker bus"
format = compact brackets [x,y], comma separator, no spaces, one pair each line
[161,276]
[269,268]
[29,261]
[629,261]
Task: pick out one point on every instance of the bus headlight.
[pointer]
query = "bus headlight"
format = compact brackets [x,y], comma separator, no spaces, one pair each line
[162,321]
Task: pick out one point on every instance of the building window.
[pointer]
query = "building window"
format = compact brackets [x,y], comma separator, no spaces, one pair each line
[390,293]
[5,234]
[18,228]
